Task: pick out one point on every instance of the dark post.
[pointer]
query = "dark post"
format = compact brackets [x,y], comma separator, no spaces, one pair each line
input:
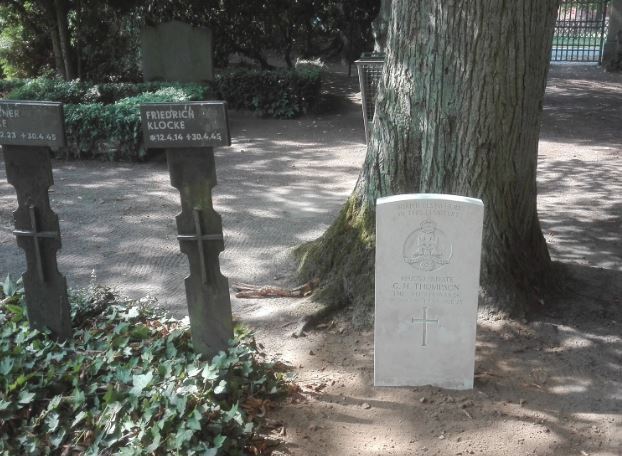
[27,131]
[188,131]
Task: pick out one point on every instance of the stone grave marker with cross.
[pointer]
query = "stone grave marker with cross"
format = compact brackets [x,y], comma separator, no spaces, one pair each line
[428,250]
[189,131]
[27,132]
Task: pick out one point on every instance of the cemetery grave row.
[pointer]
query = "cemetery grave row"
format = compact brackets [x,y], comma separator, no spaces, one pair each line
[103,120]
[29,129]
[428,246]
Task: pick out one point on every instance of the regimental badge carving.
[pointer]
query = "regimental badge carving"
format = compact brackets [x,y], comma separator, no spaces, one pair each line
[428,248]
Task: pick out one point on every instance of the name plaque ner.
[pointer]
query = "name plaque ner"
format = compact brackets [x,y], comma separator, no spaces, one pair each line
[186,124]
[31,123]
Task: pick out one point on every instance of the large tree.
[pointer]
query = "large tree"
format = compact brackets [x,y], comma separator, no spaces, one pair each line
[87,39]
[458,112]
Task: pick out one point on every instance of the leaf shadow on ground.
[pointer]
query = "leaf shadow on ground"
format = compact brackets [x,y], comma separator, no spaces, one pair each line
[555,379]
[552,385]
[280,184]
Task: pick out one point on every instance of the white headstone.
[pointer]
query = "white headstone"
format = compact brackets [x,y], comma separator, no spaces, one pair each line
[428,249]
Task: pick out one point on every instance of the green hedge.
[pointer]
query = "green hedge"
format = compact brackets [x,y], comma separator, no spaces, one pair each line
[77,92]
[113,131]
[282,94]
[6,85]
[279,94]
[103,120]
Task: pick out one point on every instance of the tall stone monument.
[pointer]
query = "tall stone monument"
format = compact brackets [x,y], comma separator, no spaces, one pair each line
[175,51]
[27,131]
[428,250]
[189,131]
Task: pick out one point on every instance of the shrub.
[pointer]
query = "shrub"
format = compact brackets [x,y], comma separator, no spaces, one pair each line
[7,85]
[113,130]
[128,382]
[282,94]
[76,92]
[43,89]
[103,120]
[279,93]
[111,92]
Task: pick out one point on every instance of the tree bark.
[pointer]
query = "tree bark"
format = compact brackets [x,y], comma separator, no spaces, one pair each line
[58,54]
[52,28]
[612,51]
[62,10]
[380,26]
[458,111]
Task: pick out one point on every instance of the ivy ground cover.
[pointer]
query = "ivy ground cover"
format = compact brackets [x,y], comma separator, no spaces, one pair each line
[127,383]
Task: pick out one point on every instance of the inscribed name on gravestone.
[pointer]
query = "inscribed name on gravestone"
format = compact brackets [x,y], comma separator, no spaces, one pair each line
[191,124]
[175,51]
[24,123]
[428,250]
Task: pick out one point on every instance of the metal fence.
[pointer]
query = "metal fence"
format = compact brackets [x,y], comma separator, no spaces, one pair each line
[369,67]
[580,31]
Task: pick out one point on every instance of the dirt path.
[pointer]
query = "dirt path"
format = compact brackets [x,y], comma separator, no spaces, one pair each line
[280,184]
[552,386]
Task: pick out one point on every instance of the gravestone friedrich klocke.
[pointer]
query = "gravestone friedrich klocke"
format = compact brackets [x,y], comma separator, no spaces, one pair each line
[428,250]
[188,131]
[27,132]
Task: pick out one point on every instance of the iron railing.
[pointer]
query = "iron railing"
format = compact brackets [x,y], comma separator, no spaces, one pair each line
[580,31]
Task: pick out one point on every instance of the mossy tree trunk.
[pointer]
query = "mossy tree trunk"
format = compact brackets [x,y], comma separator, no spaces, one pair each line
[458,112]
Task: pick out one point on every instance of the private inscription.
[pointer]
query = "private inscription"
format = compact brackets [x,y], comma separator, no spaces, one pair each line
[427,289]
[27,123]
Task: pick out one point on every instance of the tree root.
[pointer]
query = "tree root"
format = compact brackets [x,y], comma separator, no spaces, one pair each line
[343,260]
[245,290]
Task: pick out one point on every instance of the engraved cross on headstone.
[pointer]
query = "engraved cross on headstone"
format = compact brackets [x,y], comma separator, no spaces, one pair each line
[424,321]
[36,236]
[27,131]
[199,237]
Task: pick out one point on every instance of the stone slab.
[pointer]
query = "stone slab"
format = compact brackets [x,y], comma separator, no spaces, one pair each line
[29,170]
[428,249]
[185,125]
[199,227]
[176,51]
[28,123]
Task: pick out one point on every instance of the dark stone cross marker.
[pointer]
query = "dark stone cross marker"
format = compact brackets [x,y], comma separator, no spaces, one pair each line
[37,236]
[200,238]
[27,131]
[188,131]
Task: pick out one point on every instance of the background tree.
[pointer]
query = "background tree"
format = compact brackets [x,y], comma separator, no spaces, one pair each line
[100,40]
[380,26]
[458,112]
[24,41]
[86,39]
